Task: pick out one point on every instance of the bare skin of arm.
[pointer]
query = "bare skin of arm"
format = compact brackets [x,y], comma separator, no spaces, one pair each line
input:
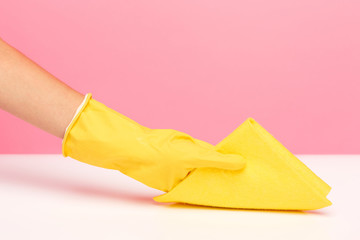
[29,92]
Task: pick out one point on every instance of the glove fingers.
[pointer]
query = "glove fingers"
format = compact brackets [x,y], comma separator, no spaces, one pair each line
[219,160]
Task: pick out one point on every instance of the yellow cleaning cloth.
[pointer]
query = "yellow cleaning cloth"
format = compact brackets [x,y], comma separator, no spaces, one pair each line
[273,177]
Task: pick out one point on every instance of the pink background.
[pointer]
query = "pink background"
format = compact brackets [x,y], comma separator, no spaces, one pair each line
[201,67]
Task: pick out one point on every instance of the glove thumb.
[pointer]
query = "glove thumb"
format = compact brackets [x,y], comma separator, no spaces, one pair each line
[219,160]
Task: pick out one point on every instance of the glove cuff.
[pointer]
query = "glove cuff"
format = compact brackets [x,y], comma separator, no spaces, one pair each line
[86,100]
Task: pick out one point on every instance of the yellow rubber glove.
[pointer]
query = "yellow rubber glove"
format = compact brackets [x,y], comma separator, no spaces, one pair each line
[159,158]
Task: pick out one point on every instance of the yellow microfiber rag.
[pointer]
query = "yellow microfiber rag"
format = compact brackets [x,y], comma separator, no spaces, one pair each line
[273,177]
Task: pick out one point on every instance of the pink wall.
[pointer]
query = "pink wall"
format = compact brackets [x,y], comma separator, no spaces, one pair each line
[201,67]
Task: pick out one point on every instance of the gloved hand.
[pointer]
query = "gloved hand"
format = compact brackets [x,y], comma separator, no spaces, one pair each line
[159,158]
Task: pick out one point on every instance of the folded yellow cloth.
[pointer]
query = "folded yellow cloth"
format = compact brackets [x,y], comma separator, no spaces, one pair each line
[273,177]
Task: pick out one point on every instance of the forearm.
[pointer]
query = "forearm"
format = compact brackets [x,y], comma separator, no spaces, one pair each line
[34,95]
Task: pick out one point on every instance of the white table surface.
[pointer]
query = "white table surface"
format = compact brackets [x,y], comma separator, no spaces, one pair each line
[52,197]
